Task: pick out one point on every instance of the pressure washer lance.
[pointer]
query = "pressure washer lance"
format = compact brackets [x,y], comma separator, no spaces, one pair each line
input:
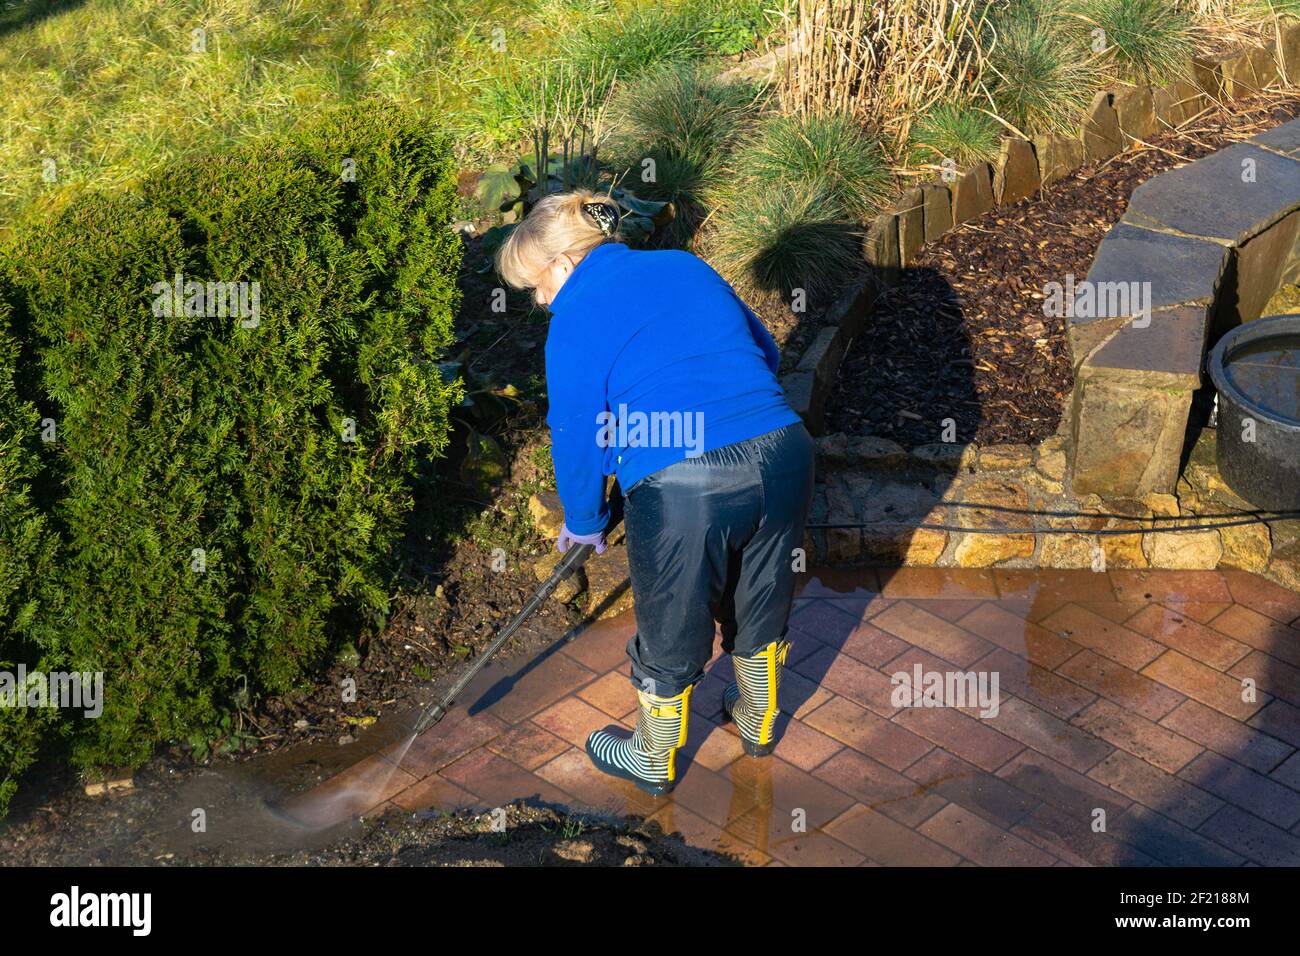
[572,560]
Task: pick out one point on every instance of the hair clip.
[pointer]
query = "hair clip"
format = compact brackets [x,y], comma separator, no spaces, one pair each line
[604,215]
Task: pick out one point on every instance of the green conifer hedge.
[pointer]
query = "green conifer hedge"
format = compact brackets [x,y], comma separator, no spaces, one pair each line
[240,361]
[27,550]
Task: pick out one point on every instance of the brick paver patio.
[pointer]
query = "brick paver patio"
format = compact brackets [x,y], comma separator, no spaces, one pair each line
[1122,737]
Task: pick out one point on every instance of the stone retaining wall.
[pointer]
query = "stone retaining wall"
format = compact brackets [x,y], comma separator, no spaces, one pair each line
[1210,242]
[1016,495]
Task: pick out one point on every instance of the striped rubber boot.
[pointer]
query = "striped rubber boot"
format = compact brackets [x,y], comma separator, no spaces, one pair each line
[752,700]
[649,757]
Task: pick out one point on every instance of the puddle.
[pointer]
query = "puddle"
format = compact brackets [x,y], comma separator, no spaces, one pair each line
[1268,373]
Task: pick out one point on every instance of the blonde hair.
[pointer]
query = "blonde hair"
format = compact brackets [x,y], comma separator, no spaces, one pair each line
[556,226]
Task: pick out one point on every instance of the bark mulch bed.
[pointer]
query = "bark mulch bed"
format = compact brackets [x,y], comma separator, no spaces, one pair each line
[963,334]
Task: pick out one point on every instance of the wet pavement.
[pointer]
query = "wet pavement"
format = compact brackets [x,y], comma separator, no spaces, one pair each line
[1138,718]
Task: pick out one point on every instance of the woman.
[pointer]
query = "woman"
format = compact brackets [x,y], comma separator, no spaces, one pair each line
[659,374]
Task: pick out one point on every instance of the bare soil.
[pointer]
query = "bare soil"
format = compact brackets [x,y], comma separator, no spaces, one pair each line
[532,836]
[151,825]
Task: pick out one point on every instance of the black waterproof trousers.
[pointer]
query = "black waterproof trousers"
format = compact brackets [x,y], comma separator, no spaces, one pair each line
[713,538]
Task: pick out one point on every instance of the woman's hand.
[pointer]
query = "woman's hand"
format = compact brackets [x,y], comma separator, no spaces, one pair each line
[567,538]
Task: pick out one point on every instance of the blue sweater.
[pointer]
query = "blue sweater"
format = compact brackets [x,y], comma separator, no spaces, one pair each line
[651,358]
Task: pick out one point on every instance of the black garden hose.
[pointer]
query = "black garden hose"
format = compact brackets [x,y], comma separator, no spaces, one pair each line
[1239,518]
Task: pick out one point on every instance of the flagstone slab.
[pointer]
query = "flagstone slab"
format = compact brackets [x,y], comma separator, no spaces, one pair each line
[1228,196]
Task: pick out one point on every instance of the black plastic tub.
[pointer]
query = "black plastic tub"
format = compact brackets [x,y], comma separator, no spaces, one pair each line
[1256,370]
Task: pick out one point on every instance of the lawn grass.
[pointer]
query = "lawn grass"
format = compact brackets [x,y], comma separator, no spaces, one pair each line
[101,92]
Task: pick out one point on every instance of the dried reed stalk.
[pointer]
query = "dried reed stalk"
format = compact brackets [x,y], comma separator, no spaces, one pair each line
[881,62]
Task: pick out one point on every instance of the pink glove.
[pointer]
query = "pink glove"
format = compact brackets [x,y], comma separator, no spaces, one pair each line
[568,538]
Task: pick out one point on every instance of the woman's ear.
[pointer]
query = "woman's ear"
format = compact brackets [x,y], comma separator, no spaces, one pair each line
[550,280]
[560,269]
